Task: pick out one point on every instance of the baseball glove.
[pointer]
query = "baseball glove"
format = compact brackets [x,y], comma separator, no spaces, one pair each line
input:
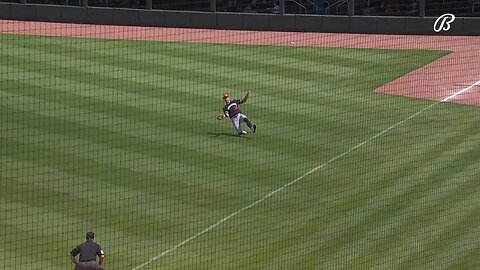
[220,117]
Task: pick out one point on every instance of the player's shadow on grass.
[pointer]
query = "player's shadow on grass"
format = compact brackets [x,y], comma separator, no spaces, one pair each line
[219,134]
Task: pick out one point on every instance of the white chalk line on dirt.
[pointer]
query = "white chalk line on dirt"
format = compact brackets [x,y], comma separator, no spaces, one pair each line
[461,92]
[271,194]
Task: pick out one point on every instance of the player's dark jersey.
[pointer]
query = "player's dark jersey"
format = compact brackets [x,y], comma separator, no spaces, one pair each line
[88,251]
[232,108]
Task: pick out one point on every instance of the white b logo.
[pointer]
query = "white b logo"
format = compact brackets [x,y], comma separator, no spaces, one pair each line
[443,22]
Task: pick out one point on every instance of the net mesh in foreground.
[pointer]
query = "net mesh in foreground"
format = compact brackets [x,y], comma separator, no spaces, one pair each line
[364,157]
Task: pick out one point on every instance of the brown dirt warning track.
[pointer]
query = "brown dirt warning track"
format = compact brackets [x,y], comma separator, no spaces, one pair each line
[453,78]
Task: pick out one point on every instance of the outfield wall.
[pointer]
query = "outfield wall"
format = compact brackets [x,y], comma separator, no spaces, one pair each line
[237,21]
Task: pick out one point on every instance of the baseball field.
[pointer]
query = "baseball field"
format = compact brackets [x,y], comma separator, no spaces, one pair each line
[120,137]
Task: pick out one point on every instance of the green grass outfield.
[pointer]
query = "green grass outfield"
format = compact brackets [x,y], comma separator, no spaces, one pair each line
[120,137]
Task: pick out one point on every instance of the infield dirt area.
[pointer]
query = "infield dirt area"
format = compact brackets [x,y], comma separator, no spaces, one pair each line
[453,78]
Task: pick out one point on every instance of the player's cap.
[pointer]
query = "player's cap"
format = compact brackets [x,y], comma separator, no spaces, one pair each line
[90,235]
[225,95]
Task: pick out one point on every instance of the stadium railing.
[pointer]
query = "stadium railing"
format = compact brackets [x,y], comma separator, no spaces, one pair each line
[414,8]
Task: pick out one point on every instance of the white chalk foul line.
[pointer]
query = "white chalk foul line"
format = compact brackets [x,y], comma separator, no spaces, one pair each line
[461,92]
[211,227]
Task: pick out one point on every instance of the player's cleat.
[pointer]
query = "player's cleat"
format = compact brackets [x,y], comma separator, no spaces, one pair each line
[254,128]
[242,133]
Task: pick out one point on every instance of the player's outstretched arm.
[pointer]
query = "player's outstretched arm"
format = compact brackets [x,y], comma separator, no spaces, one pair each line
[244,99]
[223,115]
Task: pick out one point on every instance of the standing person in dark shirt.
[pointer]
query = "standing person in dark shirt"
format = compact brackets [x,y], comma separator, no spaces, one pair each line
[232,110]
[88,251]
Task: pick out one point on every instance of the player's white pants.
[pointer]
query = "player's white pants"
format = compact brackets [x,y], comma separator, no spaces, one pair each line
[237,120]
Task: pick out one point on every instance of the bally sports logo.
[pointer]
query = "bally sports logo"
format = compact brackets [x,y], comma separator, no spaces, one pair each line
[443,22]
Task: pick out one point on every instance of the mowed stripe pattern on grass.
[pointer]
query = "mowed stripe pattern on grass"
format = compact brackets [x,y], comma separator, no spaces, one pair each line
[120,137]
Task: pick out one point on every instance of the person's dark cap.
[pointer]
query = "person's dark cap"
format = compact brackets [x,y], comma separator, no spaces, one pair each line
[90,235]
